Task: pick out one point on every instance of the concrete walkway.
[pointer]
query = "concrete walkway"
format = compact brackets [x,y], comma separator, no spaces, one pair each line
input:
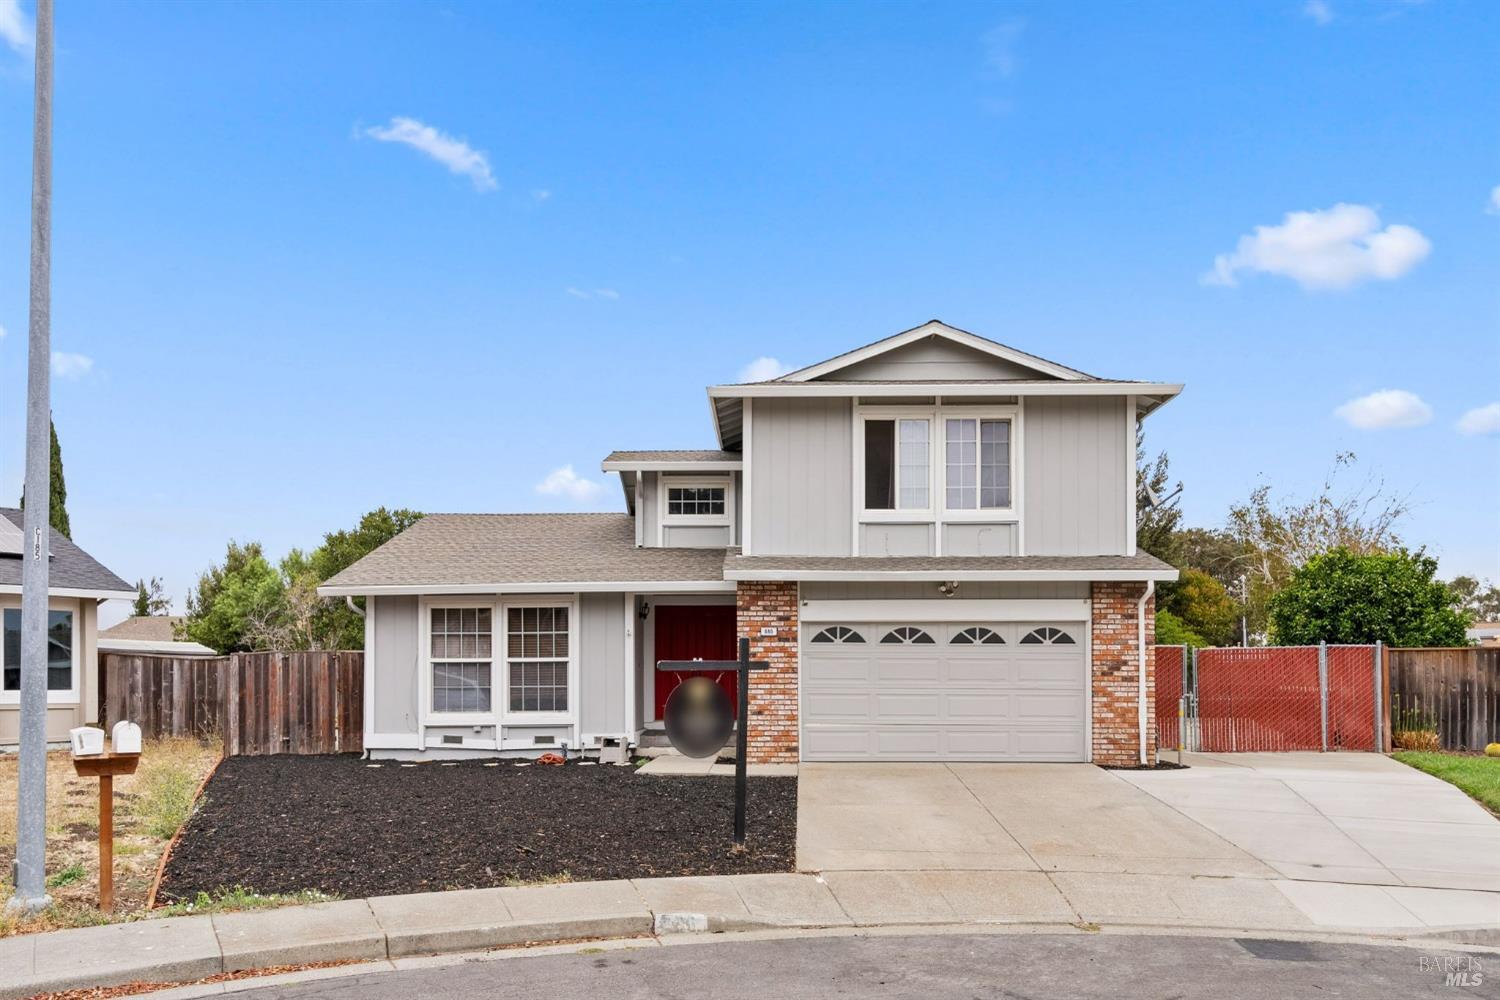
[188,948]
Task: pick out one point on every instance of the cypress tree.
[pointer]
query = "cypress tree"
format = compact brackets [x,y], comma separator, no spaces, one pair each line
[57,514]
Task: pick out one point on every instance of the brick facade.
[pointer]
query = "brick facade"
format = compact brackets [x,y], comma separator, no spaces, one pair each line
[773,692]
[1115,673]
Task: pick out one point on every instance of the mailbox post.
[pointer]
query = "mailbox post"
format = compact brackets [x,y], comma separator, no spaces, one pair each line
[104,766]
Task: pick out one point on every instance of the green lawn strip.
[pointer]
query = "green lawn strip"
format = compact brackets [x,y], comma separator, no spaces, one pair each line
[1479,777]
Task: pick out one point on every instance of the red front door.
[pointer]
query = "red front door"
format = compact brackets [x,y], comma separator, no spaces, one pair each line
[694,632]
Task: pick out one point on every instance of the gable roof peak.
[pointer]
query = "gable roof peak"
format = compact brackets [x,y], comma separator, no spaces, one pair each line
[937,328]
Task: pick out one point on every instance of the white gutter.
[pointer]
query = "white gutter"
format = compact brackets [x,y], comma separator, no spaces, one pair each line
[1059,387]
[1140,645]
[349,600]
[948,575]
[548,587]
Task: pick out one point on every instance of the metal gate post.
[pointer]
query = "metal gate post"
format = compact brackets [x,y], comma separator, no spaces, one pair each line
[1183,711]
[1375,664]
[1323,689]
[1194,709]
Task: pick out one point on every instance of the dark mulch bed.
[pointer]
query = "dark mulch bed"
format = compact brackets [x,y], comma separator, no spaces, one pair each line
[1160,765]
[286,824]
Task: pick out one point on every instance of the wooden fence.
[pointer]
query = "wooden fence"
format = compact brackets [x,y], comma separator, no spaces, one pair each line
[1455,691]
[259,703]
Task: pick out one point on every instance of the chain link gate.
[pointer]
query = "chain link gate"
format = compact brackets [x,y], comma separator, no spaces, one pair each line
[1269,698]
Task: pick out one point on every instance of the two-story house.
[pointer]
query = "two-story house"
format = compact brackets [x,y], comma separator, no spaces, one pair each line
[930,538]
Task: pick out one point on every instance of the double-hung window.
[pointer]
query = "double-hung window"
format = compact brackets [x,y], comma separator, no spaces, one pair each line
[537,644]
[898,464]
[977,463]
[60,669]
[462,655]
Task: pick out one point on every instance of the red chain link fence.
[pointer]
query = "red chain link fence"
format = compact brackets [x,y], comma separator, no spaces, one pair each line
[1269,698]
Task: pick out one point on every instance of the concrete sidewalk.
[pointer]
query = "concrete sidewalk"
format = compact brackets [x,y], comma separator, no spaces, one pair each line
[181,949]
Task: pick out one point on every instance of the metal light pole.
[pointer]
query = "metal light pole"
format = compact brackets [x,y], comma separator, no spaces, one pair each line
[31,825]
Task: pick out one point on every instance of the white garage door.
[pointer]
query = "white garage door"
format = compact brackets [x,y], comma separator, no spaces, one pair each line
[948,691]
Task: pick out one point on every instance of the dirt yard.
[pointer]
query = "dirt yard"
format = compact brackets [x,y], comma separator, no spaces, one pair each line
[348,827]
[149,807]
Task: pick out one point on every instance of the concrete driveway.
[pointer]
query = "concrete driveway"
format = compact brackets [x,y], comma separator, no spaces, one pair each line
[1352,818]
[1344,818]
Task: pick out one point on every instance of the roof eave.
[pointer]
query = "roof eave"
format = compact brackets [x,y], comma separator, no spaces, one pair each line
[948,575]
[534,587]
[1161,390]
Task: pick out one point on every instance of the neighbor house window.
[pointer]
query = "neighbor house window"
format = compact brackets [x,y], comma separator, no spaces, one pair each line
[695,501]
[897,464]
[537,658]
[978,464]
[59,650]
[462,659]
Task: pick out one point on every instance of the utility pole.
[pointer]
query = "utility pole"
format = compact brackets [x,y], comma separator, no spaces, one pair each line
[31,820]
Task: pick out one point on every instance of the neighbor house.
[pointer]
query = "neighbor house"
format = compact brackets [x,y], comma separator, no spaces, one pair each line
[150,635]
[77,585]
[931,539]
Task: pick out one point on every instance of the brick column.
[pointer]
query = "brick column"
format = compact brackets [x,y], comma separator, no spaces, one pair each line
[1116,662]
[773,692]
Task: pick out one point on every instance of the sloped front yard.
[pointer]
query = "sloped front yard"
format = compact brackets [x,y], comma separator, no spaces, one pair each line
[344,826]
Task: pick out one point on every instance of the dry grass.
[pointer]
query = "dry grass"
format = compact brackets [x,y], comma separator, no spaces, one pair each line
[150,805]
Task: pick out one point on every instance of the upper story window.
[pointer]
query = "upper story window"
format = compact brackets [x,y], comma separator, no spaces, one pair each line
[696,501]
[898,464]
[978,463]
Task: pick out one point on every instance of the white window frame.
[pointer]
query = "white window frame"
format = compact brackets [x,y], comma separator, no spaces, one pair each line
[899,514]
[1010,414]
[430,717]
[68,697]
[725,483]
[521,718]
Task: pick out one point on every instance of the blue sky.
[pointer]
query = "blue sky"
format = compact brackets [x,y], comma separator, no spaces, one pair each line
[314,258]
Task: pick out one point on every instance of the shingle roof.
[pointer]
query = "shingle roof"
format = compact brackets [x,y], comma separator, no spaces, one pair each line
[674,456]
[149,628]
[734,563]
[458,550]
[71,568]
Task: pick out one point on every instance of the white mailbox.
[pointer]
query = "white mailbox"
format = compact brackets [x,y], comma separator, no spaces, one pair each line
[87,741]
[126,737]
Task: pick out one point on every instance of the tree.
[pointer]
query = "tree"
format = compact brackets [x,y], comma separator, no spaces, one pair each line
[237,606]
[1344,596]
[57,512]
[1170,631]
[332,624]
[1280,536]
[150,599]
[1204,607]
[1156,520]
[1481,601]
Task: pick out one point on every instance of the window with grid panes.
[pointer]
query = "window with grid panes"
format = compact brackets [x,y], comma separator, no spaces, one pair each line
[537,659]
[462,654]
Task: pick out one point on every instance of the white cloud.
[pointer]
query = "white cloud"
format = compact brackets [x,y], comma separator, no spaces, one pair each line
[564,482]
[1000,45]
[2,332]
[15,28]
[1493,206]
[1481,420]
[455,154]
[592,293]
[540,195]
[1385,409]
[763,368]
[1318,10]
[1338,247]
[65,365]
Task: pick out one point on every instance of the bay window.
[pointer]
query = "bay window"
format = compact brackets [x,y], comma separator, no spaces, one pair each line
[978,463]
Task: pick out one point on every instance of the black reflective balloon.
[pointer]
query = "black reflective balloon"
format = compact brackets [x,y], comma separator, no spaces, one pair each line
[699,717]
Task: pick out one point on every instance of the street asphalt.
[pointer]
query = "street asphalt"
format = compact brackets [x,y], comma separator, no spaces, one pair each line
[1033,967]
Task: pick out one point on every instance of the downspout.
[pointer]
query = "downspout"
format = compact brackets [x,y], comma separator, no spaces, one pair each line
[1140,645]
[349,600]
